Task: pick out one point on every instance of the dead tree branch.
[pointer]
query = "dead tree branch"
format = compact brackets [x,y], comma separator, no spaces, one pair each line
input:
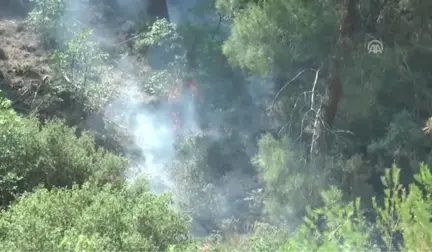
[286,85]
[312,107]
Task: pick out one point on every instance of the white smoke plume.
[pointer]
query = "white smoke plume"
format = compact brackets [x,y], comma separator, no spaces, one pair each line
[151,128]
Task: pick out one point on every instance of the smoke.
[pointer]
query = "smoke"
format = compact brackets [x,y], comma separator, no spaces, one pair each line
[133,9]
[152,130]
[155,137]
[182,11]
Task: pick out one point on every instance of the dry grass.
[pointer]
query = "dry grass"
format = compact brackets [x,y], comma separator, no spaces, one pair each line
[26,67]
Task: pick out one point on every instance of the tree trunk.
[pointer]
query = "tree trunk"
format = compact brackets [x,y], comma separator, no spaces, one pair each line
[158,9]
[327,112]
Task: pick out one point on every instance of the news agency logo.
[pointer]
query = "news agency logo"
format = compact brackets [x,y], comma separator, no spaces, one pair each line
[375,47]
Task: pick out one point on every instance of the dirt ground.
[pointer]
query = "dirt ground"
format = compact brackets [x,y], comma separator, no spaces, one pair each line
[23,62]
[26,76]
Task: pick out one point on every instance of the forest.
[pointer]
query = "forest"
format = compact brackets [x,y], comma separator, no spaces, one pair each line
[215,125]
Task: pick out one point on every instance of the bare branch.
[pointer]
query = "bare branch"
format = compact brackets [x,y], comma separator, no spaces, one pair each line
[217,27]
[303,94]
[286,85]
[127,40]
[312,105]
[313,88]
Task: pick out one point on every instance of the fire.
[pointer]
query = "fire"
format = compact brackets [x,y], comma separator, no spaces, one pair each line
[175,96]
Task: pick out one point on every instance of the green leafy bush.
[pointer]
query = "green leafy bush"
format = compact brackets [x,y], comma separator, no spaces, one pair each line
[290,183]
[403,221]
[92,218]
[79,65]
[159,33]
[162,35]
[51,154]
[196,194]
[46,18]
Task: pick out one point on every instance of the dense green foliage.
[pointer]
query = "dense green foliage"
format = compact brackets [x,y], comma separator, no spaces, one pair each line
[127,219]
[298,122]
[79,62]
[50,154]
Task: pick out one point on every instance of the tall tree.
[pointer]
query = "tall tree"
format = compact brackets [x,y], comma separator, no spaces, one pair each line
[343,48]
[285,38]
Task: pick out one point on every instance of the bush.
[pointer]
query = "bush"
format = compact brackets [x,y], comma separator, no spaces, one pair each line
[50,154]
[403,221]
[92,218]
[80,64]
[46,18]
[290,184]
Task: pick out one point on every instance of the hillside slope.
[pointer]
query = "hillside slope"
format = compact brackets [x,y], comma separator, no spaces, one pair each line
[23,65]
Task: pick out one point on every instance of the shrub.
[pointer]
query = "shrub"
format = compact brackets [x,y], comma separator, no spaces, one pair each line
[51,154]
[80,64]
[403,221]
[92,218]
[46,18]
